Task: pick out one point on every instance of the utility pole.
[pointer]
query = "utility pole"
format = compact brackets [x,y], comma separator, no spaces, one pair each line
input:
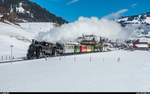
[11,46]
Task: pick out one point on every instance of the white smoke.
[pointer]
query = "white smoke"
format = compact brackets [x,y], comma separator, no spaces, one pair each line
[87,26]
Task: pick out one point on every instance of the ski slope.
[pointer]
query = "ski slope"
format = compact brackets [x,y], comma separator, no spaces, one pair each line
[119,71]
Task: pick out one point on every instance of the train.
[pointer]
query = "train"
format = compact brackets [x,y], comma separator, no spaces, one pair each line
[86,44]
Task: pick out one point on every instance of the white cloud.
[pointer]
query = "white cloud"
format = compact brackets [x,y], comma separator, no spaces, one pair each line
[116,14]
[134,5]
[72,1]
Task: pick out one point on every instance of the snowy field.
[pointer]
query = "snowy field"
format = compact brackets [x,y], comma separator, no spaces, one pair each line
[123,71]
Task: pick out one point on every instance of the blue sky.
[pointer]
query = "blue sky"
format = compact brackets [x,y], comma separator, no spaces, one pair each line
[71,10]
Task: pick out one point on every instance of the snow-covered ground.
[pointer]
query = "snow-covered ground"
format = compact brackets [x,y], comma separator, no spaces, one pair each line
[110,71]
[20,37]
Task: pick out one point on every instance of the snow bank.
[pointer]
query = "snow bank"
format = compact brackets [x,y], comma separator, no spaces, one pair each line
[93,25]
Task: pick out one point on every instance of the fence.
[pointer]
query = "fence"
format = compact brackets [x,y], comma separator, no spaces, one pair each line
[6,58]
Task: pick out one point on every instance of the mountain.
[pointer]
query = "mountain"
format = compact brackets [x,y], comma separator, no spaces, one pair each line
[26,11]
[135,19]
[137,25]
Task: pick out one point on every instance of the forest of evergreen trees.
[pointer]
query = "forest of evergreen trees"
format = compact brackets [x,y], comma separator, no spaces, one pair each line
[32,12]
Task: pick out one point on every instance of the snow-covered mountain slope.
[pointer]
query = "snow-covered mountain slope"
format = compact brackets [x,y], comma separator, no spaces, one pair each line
[20,37]
[138,30]
[35,28]
[137,25]
[121,71]
[136,19]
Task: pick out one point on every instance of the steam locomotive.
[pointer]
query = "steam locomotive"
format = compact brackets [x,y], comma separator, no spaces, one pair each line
[41,49]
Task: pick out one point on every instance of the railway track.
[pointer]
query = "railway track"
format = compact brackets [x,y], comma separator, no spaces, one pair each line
[71,54]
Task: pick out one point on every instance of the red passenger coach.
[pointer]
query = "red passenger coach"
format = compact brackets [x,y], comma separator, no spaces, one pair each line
[83,48]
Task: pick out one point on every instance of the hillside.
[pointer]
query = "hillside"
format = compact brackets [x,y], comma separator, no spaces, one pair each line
[136,19]
[138,25]
[27,11]
[20,37]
